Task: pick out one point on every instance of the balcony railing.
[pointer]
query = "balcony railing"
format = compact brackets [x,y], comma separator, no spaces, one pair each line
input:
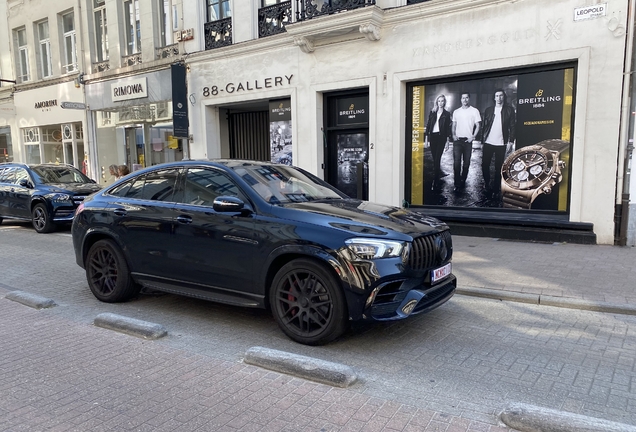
[132,59]
[308,9]
[101,66]
[218,33]
[167,51]
[272,19]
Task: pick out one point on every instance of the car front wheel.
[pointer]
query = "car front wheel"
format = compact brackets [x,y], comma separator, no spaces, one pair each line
[41,219]
[308,303]
[108,274]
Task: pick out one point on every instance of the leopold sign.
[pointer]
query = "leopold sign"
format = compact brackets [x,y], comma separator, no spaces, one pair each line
[589,12]
[129,89]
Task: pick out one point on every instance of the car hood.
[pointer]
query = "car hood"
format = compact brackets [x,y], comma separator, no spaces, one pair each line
[363,217]
[75,188]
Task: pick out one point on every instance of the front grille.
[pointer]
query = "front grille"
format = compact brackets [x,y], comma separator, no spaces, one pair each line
[430,251]
[78,199]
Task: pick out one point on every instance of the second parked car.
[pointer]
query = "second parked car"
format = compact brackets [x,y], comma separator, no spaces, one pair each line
[45,194]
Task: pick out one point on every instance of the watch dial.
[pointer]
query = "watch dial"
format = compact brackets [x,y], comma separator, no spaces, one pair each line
[525,169]
[518,166]
[536,169]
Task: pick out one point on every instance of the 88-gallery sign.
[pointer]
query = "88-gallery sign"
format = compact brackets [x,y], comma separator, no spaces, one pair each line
[492,141]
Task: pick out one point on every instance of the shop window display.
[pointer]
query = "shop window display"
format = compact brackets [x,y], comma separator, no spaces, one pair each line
[492,141]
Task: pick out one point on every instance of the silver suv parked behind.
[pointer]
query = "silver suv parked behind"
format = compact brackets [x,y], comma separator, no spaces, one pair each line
[45,194]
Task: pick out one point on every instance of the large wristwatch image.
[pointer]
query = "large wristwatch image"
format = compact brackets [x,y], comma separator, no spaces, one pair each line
[532,171]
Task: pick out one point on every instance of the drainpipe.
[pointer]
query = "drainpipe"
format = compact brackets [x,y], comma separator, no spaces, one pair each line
[625,124]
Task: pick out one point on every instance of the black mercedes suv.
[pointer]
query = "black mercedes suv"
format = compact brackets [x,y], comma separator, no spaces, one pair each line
[45,194]
[263,235]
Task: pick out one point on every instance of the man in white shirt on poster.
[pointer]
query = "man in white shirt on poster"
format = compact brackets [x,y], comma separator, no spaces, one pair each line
[466,122]
[499,137]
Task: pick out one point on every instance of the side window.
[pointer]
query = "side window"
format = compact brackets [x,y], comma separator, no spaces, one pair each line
[21,174]
[160,185]
[1,173]
[202,186]
[137,188]
[8,175]
[121,190]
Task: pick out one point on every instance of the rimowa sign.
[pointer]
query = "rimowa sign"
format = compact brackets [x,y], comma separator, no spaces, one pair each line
[129,89]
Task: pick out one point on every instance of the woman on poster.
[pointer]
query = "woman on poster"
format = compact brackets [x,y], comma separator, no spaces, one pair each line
[439,132]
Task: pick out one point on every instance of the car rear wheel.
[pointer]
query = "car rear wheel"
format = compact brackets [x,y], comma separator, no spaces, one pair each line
[108,274]
[41,220]
[308,303]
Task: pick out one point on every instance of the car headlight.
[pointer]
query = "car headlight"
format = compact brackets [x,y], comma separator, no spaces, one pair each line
[59,197]
[369,249]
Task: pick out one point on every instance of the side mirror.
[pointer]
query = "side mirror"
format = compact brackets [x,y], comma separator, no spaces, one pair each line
[25,183]
[228,204]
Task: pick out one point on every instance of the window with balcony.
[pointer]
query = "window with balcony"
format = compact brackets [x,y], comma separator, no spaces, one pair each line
[22,54]
[132,28]
[218,28]
[45,49]
[273,16]
[165,29]
[165,46]
[70,47]
[101,34]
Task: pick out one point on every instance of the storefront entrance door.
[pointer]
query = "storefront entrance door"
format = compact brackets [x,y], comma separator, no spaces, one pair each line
[135,148]
[347,142]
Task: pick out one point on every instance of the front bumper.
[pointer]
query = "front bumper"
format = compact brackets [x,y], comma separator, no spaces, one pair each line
[399,299]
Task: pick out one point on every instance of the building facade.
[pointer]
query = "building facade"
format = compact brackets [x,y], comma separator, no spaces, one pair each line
[503,118]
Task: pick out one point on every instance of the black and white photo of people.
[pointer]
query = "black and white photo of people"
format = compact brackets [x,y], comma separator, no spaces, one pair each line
[470,129]
[280,138]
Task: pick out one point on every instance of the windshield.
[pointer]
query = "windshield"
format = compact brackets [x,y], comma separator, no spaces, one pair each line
[280,184]
[58,174]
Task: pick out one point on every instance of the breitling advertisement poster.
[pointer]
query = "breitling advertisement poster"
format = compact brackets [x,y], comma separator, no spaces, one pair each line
[280,133]
[495,141]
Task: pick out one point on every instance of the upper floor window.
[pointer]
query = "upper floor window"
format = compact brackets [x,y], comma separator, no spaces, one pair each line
[101,30]
[165,24]
[273,16]
[22,61]
[132,28]
[45,49]
[70,49]
[218,9]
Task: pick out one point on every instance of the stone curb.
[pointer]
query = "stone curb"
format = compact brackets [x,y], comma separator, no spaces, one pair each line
[304,367]
[530,418]
[546,300]
[131,326]
[31,300]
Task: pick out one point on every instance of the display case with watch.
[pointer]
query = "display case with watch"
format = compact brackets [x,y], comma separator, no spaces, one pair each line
[532,171]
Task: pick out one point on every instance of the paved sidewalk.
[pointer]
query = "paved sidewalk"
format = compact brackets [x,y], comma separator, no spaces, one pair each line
[568,275]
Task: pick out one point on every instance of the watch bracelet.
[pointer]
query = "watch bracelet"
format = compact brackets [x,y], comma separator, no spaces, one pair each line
[512,200]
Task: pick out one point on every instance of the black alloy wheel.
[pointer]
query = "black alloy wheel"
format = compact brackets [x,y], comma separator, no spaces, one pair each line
[41,219]
[108,274]
[308,303]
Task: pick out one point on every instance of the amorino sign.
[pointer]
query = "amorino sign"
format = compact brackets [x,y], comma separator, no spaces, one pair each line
[129,89]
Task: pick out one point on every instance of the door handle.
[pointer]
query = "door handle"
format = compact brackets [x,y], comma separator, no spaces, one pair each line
[184,219]
[120,212]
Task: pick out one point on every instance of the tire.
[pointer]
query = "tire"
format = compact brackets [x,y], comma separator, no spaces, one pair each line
[308,303]
[107,273]
[41,219]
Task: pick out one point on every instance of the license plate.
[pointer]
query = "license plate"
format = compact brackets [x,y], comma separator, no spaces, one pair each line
[440,273]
